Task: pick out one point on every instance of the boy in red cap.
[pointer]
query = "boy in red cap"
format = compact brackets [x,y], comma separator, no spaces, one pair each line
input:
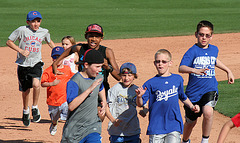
[83,123]
[29,60]
[94,35]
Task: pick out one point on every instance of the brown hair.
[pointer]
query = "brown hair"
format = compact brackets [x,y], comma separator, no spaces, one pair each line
[70,38]
[204,23]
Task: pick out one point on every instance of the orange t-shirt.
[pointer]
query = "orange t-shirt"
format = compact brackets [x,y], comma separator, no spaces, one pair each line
[57,95]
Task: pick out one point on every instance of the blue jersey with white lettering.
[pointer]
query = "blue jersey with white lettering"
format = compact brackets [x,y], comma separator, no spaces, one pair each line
[163,94]
[200,58]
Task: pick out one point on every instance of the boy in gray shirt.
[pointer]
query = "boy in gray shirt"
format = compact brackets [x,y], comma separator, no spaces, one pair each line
[29,60]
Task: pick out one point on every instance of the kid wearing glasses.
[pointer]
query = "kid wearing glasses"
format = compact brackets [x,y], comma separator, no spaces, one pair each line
[199,62]
[163,92]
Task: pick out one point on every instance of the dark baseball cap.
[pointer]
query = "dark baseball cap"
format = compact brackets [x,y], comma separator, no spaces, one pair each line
[92,56]
[33,14]
[94,28]
[130,66]
[57,51]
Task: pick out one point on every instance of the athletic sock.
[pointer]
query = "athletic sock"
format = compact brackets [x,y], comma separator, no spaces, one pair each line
[34,107]
[26,111]
[187,141]
[205,139]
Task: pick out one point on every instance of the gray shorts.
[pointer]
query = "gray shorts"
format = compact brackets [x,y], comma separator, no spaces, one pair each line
[57,112]
[173,137]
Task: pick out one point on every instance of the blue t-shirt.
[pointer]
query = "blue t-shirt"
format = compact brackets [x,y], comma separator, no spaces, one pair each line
[163,94]
[200,58]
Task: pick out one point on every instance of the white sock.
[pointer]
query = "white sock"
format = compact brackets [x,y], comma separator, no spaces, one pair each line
[34,107]
[26,111]
[186,141]
[205,140]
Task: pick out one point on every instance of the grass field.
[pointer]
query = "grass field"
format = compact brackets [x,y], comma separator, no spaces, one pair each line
[121,19]
[124,19]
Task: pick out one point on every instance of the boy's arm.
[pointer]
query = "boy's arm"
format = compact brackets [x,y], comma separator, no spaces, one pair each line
[80,98]
[189,104]
[115,69]
[63,55]
[102,95]
[225,130]
[140,91]
[51,44]
[47,84]
[221,66]
[13,46]
[116,122]
[186,69]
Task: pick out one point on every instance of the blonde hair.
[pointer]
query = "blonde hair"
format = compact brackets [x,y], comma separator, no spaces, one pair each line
[70,38]
[163,51]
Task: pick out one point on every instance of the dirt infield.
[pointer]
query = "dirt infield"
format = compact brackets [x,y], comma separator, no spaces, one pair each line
[138,51]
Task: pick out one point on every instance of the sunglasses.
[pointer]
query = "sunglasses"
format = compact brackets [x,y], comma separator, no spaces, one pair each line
[202,35]
[163,61]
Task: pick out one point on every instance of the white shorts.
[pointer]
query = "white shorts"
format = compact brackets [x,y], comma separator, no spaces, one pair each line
[173,137]
[57,112]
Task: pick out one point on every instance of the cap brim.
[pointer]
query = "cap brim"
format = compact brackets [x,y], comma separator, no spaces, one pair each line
[94,32]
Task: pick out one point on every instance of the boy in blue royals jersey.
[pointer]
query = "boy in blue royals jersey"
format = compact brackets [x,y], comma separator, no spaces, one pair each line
[163,92]
[200,61]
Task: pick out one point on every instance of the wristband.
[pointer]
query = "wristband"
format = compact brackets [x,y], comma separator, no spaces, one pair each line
[110,68]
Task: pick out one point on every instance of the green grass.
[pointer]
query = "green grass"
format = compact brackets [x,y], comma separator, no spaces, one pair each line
[121,19]
[229,98]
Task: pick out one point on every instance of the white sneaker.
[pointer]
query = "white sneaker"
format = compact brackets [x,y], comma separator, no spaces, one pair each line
[53,129]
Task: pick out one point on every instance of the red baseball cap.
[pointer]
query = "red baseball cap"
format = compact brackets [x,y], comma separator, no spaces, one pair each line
[94,28]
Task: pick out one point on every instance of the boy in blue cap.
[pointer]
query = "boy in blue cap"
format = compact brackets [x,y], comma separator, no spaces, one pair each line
[122,113]
[29,60]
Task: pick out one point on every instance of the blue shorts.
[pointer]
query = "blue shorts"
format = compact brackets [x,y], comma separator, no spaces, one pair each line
[123,139]
[92,138]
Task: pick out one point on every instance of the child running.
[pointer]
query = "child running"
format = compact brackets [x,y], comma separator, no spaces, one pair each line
[163,92]
[56,90]
[83,124]
[124,124]
[72,59]
[200,61]
[29,60]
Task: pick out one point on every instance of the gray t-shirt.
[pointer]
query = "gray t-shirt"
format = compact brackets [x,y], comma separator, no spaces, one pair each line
[84,119]
[32,41]
[122,104]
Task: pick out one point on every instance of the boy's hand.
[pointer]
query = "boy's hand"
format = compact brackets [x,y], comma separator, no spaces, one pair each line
[140,91]
[102,111]
[195,108]
[230,78]
[117,122]
[95,84]
[55,82]
[200,71]
[25,53]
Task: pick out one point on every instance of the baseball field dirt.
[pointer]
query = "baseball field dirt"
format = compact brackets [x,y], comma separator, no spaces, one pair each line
[138,51]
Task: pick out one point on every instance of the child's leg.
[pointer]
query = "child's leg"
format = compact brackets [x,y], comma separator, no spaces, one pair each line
[225,130]
[173,137]
[25,98]
[207,120]
[36,91]
[187,130]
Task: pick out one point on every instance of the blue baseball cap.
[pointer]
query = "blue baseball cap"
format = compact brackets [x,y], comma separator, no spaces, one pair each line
[57,51]
[33,14]
[130,66]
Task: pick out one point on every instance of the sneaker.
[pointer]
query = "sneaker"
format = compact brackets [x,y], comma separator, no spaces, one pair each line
[53,129]
[26,119]
[36,115]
